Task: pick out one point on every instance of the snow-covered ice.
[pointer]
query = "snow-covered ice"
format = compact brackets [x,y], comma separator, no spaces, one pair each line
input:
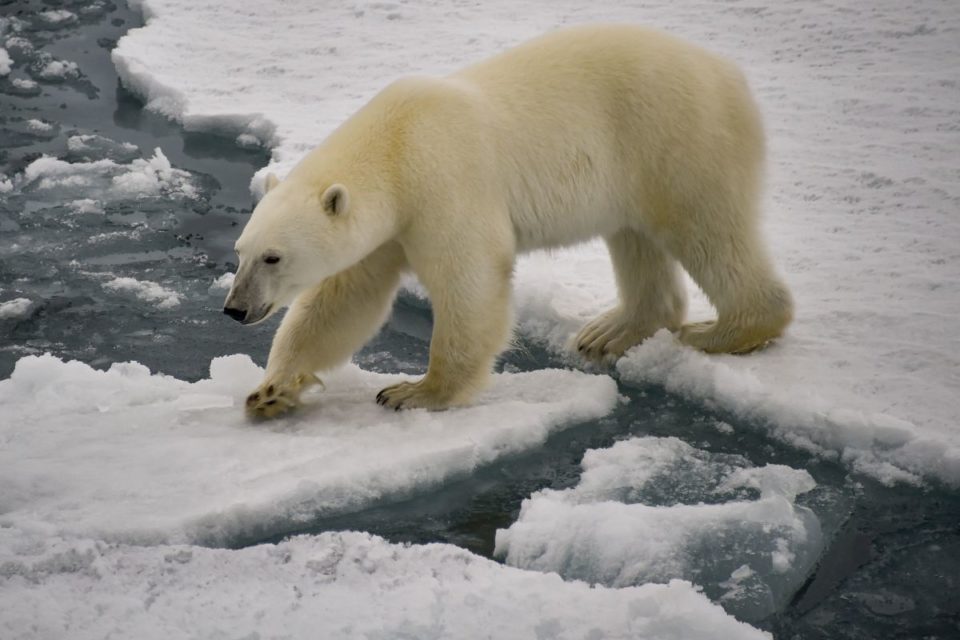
[863,189]
[129,456]
[637,516]
[862,115]
[333,586]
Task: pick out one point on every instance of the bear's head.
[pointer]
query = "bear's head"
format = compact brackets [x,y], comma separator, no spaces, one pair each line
[300,233]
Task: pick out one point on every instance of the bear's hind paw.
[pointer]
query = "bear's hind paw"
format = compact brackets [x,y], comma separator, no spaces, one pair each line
[605,338]
[413,395]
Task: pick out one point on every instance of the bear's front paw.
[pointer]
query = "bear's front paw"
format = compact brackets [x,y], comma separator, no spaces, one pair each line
[413,395]
[274,398]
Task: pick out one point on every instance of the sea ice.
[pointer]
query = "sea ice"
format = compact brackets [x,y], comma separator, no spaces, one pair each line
[107,180]
[38,126]
[654,509]
[52,70]
[86,205]
[868,371]
[16,308]
[56,18]
[146,291]
[126,455]
[92,147]
[333,586]
[223,282]
[5,62]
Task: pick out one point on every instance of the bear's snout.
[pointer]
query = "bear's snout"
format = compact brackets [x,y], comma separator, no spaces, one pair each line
[236,314]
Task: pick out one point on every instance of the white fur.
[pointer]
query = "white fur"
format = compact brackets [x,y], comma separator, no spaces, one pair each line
[614,131]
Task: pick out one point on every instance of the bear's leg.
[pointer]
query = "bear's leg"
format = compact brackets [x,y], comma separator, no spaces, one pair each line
[324,326]
[730,264]
[652,297]
[470,296]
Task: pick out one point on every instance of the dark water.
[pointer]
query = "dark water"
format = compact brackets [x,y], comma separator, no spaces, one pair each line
[891,565]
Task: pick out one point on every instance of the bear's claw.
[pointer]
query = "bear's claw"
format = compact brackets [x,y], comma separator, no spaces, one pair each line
[604,339]
[273,399]
[412,395]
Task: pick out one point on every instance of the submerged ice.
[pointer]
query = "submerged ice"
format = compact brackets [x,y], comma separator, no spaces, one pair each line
[654,509]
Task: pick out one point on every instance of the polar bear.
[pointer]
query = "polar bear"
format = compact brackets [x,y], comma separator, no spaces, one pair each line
[620,132]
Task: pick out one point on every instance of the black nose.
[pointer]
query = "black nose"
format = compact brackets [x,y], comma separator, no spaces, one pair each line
[236,314]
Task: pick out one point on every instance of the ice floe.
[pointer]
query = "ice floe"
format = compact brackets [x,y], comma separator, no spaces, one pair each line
[332,586]
[638,515]
[866,240]
[127,455]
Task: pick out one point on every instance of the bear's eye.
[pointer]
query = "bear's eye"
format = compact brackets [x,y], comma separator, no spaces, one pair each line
[272,259]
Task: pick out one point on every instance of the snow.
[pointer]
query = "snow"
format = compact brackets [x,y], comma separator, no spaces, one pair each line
[603,531]
[336,585]
[5,62]
[144,290]
[863,188]
[16,308]
[126,455]
[877,444]
[106,179]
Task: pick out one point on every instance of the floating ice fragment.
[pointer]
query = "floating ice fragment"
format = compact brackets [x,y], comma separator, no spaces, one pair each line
[86,205]
[146,291]
[248,141]
[38,126]
[336,586]
[16,308]
[223,283]
[167,460]
[653,509]
[108,180]
[19,45]
[5,62]
[24,87]
[96,147]
[58,70]
[57,17]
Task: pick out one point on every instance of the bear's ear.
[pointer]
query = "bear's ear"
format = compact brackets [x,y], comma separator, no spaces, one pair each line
[335,200]
[272,181]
